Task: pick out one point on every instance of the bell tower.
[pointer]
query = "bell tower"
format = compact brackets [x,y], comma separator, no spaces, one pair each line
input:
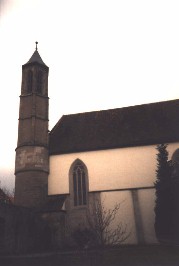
[32,161]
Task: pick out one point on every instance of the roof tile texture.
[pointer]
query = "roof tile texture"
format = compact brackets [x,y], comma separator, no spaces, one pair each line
[122,127]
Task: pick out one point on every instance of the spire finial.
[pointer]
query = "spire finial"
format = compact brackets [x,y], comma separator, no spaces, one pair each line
[36,45]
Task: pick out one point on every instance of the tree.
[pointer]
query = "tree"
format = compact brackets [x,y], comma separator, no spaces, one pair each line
[103,230]
[6,196]
[164,197]
[83,237]
[175,202]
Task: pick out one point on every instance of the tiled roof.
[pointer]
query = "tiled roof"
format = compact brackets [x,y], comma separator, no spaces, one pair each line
[122,127]
[36,58]
[54,203]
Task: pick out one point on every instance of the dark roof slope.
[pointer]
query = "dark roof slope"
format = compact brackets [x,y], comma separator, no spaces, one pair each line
[122,127]
[36,58]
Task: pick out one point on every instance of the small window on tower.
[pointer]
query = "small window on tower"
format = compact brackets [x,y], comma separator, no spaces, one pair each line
[39,81]
[29,81]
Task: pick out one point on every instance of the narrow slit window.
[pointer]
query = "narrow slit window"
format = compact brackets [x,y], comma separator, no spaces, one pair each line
[39,81]
[29,81]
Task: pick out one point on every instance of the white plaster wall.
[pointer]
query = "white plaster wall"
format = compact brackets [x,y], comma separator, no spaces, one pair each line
[108,169]
[146,204]
[125,215]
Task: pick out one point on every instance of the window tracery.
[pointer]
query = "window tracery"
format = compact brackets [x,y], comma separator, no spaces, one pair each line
[79,177]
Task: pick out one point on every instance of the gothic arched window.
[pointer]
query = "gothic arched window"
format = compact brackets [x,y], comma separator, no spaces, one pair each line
[29,81]
[39,81]
[79,182]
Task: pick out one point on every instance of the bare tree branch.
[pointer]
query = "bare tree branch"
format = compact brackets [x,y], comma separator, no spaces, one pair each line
[100,222]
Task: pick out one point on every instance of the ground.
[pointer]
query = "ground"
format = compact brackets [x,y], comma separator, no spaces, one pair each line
[120,256]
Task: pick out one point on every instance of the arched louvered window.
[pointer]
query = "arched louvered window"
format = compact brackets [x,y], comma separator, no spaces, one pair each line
[29,81]
[80,183]
[39,81]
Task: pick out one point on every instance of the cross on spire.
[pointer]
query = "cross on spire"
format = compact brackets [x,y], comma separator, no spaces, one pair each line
[36,45]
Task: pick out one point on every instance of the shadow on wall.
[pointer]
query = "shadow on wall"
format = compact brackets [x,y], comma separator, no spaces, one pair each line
[22,231]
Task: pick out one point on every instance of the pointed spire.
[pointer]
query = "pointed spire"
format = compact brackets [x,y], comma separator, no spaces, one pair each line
[36,58]
[36,46]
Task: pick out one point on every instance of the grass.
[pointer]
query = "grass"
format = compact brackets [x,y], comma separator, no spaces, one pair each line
[153,255]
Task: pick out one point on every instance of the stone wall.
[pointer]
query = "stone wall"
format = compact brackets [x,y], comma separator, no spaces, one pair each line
[22,230]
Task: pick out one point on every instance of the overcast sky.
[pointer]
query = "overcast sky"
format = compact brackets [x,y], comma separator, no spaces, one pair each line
[101,55]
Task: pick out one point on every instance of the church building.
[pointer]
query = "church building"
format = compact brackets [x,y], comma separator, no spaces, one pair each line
[106,156]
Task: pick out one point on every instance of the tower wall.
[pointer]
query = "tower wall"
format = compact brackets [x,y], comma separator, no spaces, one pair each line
[31,189]
[32,159]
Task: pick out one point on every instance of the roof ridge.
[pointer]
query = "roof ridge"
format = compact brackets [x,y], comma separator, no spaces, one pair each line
[123,107]
[56,125]
[137,125]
